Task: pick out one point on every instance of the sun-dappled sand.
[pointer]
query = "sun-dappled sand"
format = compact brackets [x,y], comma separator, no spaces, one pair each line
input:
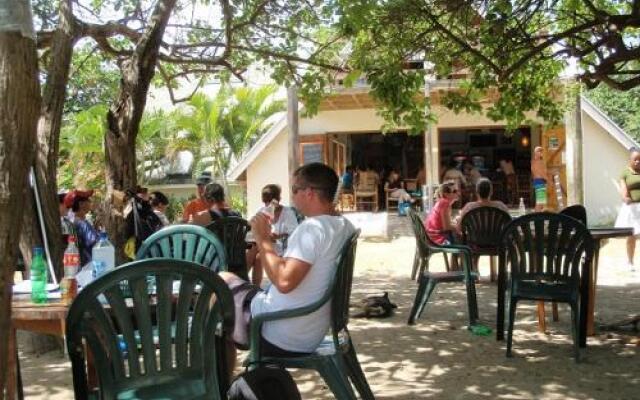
[438,357]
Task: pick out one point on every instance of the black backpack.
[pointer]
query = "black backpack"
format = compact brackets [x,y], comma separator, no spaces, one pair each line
[265,382]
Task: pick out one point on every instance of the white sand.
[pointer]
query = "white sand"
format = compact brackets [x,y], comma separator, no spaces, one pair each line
[438,357]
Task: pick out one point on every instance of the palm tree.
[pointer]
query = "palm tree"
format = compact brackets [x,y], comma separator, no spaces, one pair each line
[224,127]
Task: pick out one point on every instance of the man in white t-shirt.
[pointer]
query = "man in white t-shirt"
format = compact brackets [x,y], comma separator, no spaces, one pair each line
[303,274]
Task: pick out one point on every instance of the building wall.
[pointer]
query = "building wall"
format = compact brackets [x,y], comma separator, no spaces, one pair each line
[271,166]
[604,159]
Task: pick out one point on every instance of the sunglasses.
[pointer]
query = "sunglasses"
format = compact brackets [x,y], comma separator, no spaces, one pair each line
[295,188]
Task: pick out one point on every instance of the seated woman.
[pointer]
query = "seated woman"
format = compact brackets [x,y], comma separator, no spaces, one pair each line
[452,173]
[393,187]
[484,190]
[438,223]
[283,223]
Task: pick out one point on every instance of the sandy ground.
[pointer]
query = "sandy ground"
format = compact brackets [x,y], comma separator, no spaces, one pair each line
[438,357]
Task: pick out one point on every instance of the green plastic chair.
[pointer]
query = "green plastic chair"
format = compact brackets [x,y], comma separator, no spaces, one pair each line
[232,232]
[168,346]
[428,280]
[545,253]
[481,229]
[186,242]
[335,359]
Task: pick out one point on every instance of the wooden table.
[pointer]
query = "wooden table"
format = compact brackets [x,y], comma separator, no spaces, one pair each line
[46,318]
[598,234]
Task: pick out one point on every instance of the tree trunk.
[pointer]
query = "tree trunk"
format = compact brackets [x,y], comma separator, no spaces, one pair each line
[46,164]
[123,119]
[19,108]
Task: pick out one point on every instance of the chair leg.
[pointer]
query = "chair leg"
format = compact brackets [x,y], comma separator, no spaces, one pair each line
[331,372]
[575,329]
[542,317]
[425,288]
[554,311]
[357,375]
[492,269]
[512,316]
[472,301]
[416,261]
[446,262]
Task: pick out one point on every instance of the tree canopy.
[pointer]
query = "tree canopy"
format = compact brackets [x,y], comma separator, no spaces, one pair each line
[518,47]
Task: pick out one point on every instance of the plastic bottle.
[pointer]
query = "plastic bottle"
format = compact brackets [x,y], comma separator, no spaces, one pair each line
[71,262]
[71,258]
[38,277]
[522,210]
[105,252]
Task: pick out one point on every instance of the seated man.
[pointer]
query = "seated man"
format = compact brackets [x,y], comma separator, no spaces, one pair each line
[483,192]
[303,274]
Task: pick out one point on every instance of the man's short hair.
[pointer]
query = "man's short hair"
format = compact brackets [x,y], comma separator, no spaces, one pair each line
[319,177]
[483,188]
[158,198]
[214,192]
[271,192]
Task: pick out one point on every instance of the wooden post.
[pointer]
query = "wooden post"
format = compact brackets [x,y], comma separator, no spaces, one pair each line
[573,122]
[292,122]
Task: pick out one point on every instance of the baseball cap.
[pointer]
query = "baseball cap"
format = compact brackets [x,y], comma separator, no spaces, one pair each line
[204,178]
[76,195]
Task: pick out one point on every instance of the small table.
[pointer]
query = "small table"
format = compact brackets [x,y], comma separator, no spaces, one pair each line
[48,318]
[598,234]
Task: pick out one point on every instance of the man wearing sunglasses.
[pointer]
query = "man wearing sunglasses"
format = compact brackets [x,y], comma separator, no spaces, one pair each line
[303,273]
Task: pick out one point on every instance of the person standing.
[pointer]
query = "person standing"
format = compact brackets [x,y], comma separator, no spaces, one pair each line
[539,175]
[629,215]
[198,204]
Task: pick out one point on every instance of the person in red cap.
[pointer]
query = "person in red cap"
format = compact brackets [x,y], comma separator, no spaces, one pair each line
[80,203]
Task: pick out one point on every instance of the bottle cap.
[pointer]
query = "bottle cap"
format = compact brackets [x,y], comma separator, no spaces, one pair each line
[37,251]
[103,235]
[71,239]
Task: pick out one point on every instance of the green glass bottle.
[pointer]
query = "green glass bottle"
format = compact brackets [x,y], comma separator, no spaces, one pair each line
[38,277]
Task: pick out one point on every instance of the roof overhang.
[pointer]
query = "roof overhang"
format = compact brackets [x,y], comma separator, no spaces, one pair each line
[607,123]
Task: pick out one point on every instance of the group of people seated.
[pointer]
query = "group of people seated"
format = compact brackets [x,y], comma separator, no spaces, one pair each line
[393,185]
[441,227]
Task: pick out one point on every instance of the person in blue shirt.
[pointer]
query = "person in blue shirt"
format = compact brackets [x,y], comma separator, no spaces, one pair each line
[80,203]
[347,180]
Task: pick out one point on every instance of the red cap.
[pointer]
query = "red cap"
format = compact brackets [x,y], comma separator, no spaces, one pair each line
[74,195]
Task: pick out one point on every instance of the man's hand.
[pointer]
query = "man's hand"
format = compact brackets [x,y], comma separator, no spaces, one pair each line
[261,227]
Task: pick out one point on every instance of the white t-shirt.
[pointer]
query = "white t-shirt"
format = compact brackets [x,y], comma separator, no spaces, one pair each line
[317,241]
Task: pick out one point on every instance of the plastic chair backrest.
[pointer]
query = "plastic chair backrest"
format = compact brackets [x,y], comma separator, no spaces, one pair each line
[341,290]
[481,227]
[546,246]
[186,242]
[174,328]
[232,232]
[421,235]
[576,211]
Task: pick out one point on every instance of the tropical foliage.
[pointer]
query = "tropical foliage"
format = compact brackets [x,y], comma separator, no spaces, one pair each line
[214,129]
[223,127]
[517,48]
[622,107]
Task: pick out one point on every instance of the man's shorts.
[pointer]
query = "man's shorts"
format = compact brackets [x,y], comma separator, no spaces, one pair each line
[540,188]
[243,292]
